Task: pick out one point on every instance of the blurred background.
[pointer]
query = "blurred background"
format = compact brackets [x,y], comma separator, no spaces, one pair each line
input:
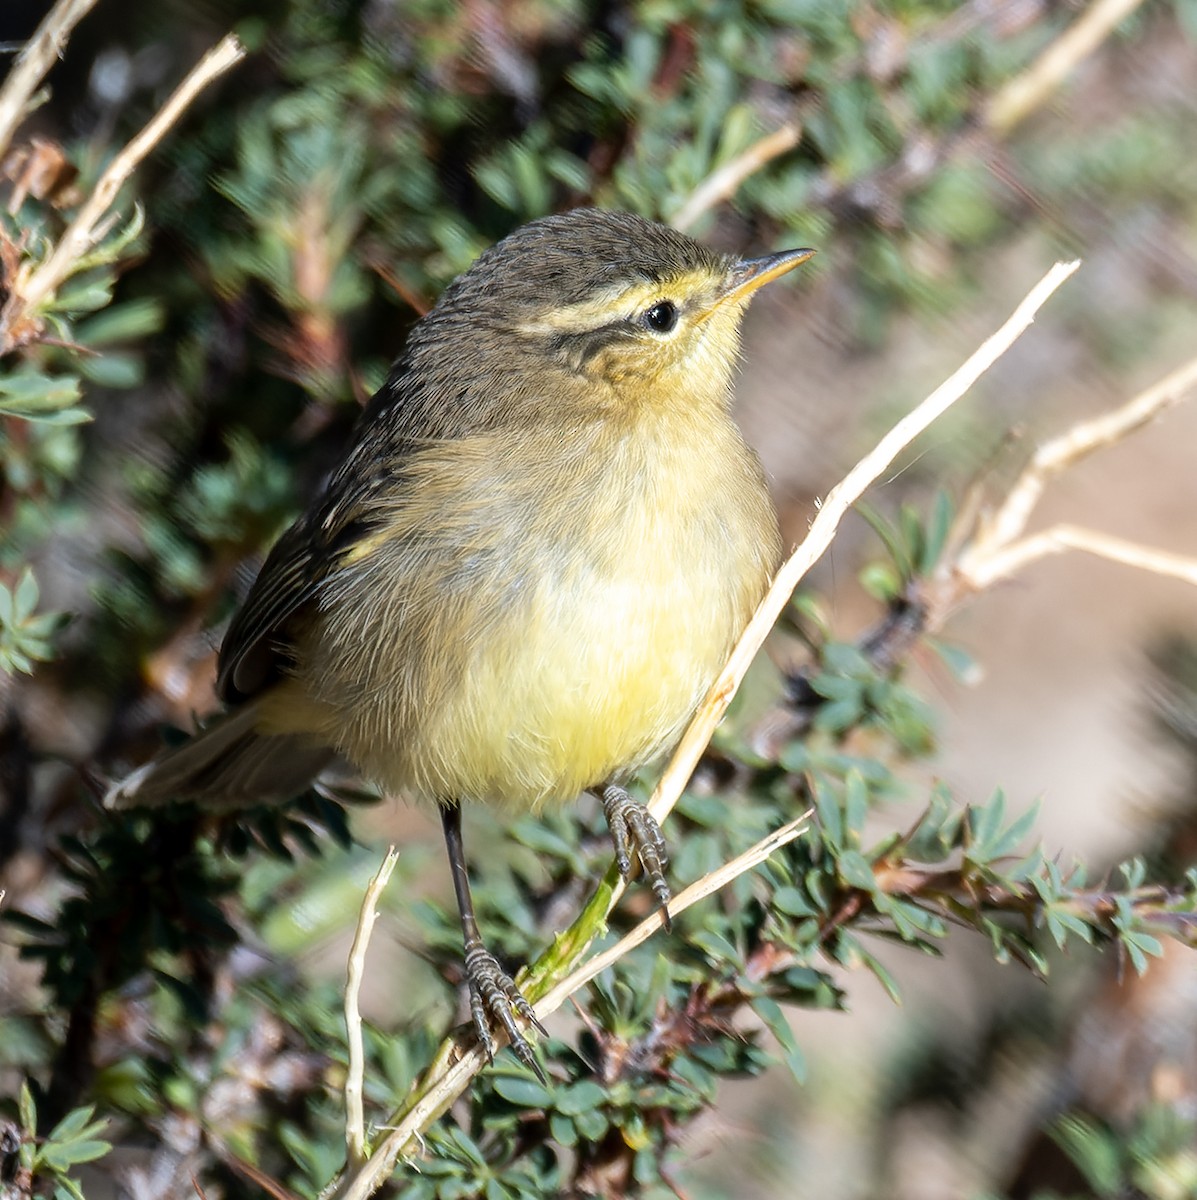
[307,209]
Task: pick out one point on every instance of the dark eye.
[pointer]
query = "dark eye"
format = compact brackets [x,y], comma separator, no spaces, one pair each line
[662,317]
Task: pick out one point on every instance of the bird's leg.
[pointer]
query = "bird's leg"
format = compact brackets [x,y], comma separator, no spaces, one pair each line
[493,993]
[634,828]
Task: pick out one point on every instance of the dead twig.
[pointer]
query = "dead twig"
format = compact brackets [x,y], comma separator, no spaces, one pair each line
[995,550]
[723,183]
[35,59]
[1018,98]
[93,218]
[355,1125]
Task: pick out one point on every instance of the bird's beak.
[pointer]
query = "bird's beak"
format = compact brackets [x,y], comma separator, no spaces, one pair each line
[751,273]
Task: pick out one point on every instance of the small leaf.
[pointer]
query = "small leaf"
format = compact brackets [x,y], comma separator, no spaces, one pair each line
[856,870]
[523,1091]
[27,1109]
[584,1096]
[771,1014]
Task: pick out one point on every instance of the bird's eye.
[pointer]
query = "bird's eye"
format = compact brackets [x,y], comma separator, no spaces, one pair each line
[662,317]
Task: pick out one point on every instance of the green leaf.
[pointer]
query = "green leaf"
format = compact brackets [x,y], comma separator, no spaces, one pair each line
[564,1132]
[935,534]
[1140,946]
[770,1012]
[61,1156]
[31,394]
[113,370]
[883,977]
[523,1090]
[891,539]
[592,1124]
[584,1096]
[27,1108]
[856,870]
[24,599]
[792,902]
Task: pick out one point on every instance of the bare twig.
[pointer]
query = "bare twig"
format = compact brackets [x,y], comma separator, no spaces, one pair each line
[85,229]
[839,500]
[34,61]
[1028,90]
[698,890]
[722,184]
[1007,561]
[355,1125]
[996,533]
[450,1074]
[455,1076]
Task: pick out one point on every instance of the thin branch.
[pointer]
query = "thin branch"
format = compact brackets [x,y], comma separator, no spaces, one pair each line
[1024,93]
[1007,524]
[1058,538]
[355,1124]
[34,61]
[455,1077]
[83,231]
[822,530]
[698,890]
[723,183]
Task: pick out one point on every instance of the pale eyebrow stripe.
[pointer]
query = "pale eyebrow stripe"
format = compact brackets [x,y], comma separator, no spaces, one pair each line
[615,304]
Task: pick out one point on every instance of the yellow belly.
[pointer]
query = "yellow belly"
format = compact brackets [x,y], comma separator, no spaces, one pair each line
[504,647]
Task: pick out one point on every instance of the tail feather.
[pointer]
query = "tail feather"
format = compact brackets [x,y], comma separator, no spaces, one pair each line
[230,764]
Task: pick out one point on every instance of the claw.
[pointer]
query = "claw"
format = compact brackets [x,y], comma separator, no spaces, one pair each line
[634,827]
[493,996]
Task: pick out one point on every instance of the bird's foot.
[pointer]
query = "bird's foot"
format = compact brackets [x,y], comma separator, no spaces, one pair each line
[493,996]
[634,828]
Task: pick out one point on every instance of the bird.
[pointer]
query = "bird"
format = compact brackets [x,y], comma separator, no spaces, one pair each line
[533,559]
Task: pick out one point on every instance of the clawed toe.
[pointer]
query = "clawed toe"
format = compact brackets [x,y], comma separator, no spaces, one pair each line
[633,827]
[494,996]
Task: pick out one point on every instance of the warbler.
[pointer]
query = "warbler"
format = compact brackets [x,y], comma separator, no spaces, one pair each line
[528,568]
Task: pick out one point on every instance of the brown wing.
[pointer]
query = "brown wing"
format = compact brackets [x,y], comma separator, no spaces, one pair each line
[254,650]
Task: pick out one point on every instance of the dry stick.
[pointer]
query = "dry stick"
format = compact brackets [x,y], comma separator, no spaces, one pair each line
[698,890]
[1026,91]
[34,61]
[448,1079]
[1010,559]
[723,183]
[79,235]
[457,1078]
[822,531]
[1008,522]
[355,1122]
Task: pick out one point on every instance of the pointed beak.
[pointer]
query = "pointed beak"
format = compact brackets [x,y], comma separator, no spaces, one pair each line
[751,273]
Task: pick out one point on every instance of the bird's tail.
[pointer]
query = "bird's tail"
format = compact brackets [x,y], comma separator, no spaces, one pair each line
[229,764]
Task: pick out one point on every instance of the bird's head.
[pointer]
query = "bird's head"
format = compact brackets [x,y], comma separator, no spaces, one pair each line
[607,304]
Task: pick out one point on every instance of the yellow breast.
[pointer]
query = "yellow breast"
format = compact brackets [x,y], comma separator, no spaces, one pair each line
[544,611]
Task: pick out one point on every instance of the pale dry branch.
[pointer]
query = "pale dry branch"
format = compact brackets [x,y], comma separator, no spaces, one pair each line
[723,183]
[449,1075]
[35,59]
[823,528]
[92,218]
[455,1076]
[698,890]
[1012,558]
[355,1124]
[1017,99]
[998,532]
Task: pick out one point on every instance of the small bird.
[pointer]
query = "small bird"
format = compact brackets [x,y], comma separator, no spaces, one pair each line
[527,570]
